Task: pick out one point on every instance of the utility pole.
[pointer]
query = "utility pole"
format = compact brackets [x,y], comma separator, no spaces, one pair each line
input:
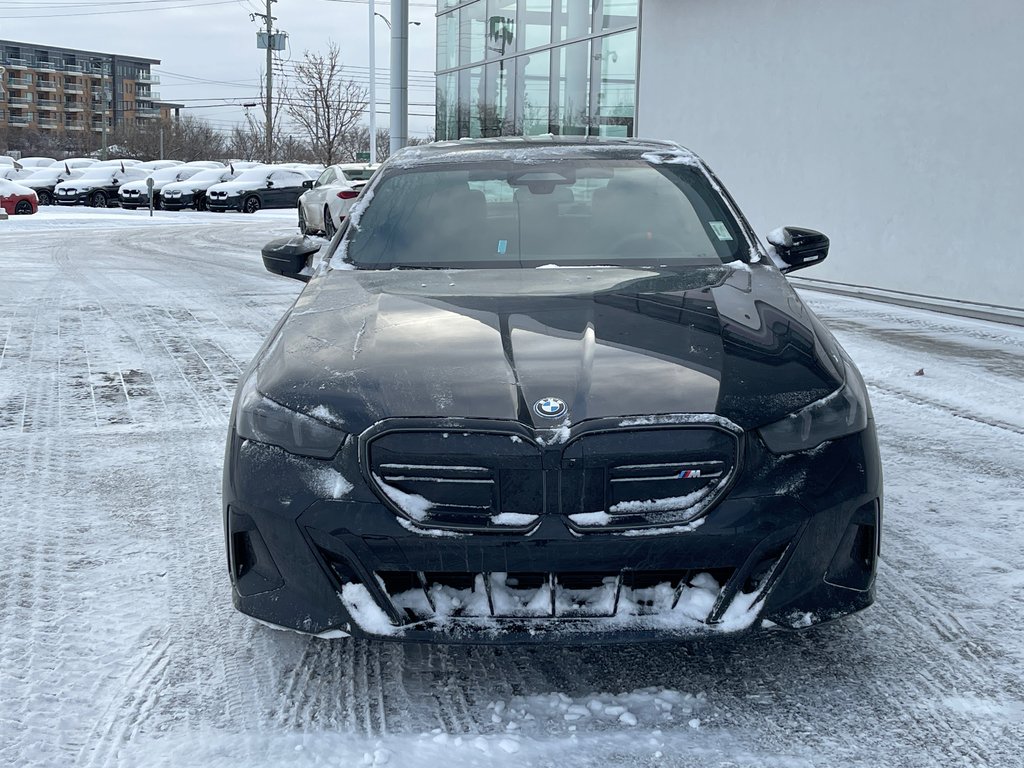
[373,86]
[271,45]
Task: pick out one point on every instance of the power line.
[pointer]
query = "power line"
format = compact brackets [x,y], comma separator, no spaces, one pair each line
[126,10]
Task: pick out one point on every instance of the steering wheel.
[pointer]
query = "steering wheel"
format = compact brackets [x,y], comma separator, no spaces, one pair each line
[644,242]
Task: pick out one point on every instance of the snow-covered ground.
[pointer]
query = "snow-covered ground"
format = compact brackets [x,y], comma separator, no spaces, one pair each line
[121,339]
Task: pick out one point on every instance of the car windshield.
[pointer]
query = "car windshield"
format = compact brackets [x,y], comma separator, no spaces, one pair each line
[572,212]
[100,174]
[165,174]
[46,174]
[256,174]
[212,174]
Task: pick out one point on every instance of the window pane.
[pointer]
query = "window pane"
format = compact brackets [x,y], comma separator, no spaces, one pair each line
[471,99]
[535,27]
[501,27]
[570,76]
[534,92]
[448,41]
[616,14]
[472,32]
[447,109]
[615,110]
[498,118]
[571,19]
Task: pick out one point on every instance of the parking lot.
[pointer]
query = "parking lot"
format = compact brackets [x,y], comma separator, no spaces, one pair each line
[121,339]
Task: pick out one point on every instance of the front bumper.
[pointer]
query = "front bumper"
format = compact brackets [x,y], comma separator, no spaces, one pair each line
[177,203]
[224,203]
[79,198]
[793,543]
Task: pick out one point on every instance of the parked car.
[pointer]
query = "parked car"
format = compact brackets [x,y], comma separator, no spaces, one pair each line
[136,193]
[97,186]
[258,188]
[15,172]
[81,162]
[118,162]
[16,199]
[192,192]
[550,389]
[36,162]
[156,165]
[44,180]
[328,199]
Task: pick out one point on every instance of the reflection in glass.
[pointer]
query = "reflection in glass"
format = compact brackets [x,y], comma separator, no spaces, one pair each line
[501,27]
[571,19]
[497,115]
[615,110]
[472,32]
[616,14]
[534,92]
[570,75]
[535,24]
[448,41]
[447,106]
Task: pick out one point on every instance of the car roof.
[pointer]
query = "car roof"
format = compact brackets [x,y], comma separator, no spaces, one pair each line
[524,147]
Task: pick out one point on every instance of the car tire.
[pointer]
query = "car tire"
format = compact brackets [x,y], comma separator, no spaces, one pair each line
[45,198]
[98,200]
[329,228]
[251,204]
[201,204]
[303,229]
[23,208]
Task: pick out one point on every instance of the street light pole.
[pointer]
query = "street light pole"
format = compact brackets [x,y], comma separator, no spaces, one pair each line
[373,86]
[399,74]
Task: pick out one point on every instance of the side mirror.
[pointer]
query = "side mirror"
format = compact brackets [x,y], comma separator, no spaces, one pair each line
[307,184]
[291,256]
[270,183]
[798,248]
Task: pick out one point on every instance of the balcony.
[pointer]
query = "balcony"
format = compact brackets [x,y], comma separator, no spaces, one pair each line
[73,106]
[147,112]
[73,88]
[47,122]
[19,82]
[46,85]
[49,104]
[72,68]
[20,100]
[13,63]
[46,66]
[73,126]
[147,77]
[20,119]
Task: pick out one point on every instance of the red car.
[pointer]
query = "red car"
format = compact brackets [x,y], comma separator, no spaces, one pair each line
[17,199]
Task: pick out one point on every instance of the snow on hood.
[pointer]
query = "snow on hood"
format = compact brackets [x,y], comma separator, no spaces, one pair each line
[14,189]
[236,187]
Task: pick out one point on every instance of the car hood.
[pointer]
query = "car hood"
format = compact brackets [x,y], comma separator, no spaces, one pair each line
[189,187]
[237,187]
[731,340]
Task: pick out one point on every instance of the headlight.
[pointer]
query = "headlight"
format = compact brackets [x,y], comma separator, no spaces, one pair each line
[261,419]
[842,413]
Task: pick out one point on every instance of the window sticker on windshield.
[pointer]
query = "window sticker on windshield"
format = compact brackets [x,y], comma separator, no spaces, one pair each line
[720,230]
[502,247]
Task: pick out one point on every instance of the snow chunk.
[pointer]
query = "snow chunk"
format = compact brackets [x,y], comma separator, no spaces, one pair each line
[364,610]
[331,483]
[413,505]
[324,414]
[513,519]
[678,156]
[661,505]
[679,418]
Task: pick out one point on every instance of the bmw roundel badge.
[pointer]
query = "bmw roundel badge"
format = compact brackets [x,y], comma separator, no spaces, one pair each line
[550,407]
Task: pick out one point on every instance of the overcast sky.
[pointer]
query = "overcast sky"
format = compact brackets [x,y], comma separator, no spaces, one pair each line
[198,41]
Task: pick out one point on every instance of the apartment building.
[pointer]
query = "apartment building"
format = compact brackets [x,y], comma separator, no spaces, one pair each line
[53,89]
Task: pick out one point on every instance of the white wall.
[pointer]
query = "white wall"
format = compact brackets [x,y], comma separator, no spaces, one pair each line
[894,126]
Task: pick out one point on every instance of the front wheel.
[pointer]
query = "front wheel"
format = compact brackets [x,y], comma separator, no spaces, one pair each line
[329,228]
[251,204]
[45,198]
[201,204]
[98,200]
[23,208]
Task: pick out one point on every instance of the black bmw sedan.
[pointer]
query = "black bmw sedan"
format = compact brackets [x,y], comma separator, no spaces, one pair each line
[550,390]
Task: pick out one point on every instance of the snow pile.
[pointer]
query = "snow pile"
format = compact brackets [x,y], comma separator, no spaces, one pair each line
[414,505]
[364,610]
[515,519]
[671,504]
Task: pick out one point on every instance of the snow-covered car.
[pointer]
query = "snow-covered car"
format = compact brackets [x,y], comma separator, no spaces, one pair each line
[17,199]
[44,180]
[549,389]
[192,193]
[117,162]
[15,172]
[156,165]
[135,194]
[36,162]
[79,162]
[327,201]
[97,186]
[269,187]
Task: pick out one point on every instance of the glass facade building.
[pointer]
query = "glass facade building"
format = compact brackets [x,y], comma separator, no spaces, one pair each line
[527,67]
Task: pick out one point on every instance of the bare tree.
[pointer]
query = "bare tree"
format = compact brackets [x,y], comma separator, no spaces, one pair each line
[325,105]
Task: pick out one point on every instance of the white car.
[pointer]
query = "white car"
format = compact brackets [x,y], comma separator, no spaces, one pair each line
[156,165]
[328,200]
[79,162]
[15,173]
[136,193]
[192,193]
[36,162]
